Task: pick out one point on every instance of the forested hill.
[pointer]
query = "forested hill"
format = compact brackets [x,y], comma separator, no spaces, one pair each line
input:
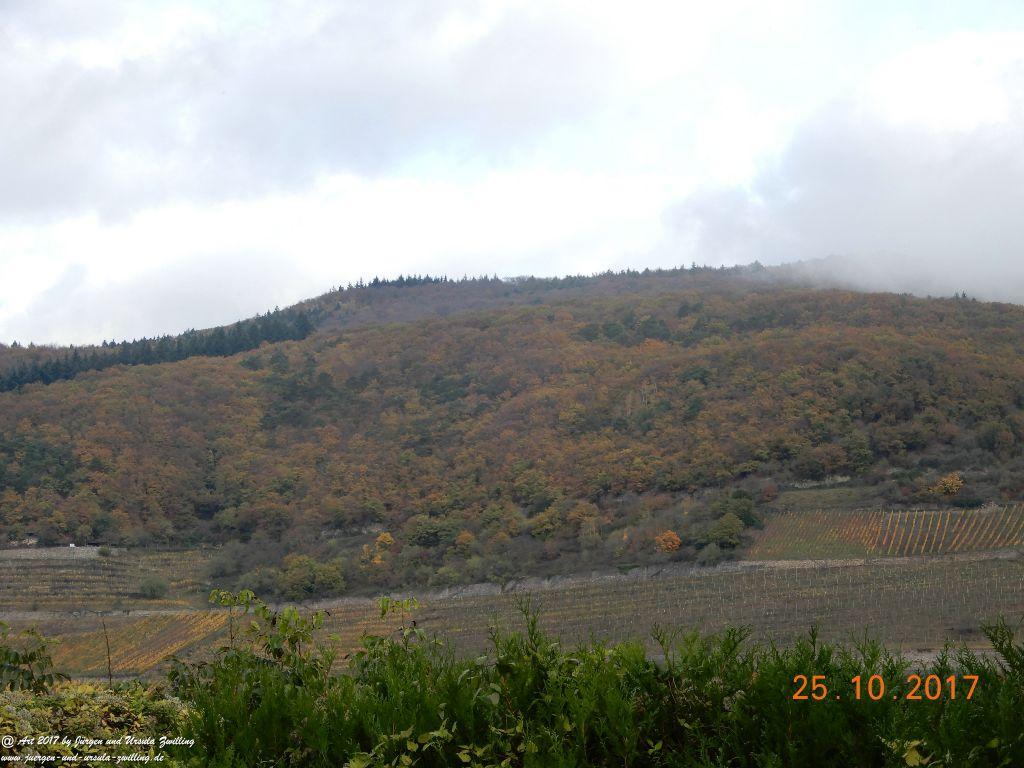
[540,425]
[377,302]
[20,365]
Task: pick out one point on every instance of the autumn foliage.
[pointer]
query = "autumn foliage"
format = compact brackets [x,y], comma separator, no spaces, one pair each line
[528,427]
[951,484]
[668,541]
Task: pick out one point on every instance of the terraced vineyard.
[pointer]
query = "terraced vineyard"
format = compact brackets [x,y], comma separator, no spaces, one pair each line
[910,605]
[878,533]
[68,579]
[915,604]
[909,602]
[137,645]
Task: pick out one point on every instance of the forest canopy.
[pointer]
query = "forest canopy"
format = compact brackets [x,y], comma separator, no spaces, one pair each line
[483,429]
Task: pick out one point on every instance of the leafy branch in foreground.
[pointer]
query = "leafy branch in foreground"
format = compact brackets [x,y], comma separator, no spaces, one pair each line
[25,662]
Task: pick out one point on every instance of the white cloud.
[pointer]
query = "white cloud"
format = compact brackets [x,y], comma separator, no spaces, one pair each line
[347,227]
[954,84]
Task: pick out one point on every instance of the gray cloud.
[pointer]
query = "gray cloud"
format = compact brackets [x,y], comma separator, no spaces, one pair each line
[218,115]
[904,208]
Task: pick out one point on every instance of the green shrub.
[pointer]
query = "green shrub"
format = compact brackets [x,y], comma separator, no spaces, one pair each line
[153,588]
[84,710]
[303,578]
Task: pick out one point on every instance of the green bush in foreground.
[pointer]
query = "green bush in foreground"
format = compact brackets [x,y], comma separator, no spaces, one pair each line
[719,700]
[87,715]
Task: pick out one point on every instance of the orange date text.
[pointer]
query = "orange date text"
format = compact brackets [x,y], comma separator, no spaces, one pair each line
[873,687]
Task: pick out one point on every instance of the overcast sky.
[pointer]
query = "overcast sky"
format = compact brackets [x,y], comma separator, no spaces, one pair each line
[166,165]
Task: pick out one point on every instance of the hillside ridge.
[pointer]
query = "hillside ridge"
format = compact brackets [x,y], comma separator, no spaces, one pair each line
[536,427]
